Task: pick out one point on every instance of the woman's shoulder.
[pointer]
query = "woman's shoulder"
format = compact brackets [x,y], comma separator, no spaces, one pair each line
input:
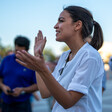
[91,53]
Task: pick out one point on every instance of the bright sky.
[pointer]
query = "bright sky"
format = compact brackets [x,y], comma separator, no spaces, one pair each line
[26,17]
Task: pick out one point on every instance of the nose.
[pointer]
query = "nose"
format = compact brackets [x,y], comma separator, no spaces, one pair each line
[56,26]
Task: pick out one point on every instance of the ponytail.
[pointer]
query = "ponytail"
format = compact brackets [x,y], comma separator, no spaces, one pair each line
[79,13]
[97,39]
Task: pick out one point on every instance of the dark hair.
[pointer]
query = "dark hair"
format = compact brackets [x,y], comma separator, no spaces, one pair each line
[22,42]
[82,14]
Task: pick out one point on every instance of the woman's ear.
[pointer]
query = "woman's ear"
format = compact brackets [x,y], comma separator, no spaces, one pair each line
[78,25]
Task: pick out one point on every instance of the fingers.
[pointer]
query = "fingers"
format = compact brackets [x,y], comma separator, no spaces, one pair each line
[21,55]
[22,58]
[42,47]
[36,40]
[39,44]
[22,63]
[24,55]
[43,44]
[45,41]
[26,59]
[40,35]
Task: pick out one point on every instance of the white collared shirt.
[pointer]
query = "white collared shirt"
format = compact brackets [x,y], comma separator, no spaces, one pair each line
[82,74]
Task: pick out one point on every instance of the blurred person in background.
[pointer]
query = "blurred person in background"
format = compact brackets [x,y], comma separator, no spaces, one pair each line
[16,81]
[110,63]
[9,52]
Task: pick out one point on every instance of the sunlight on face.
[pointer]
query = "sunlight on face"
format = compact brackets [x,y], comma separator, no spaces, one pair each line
[64,27]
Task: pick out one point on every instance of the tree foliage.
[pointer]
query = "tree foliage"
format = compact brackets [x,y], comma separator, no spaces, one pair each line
[4,49]
[65,48]
[49,55]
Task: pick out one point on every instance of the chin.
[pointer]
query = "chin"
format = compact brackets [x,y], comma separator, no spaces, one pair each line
[58,39]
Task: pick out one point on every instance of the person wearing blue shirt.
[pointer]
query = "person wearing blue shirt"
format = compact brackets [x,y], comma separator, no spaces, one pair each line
[76,82]
[16,81]
[110,63]
[104,82]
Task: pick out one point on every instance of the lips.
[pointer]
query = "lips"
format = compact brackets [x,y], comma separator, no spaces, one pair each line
[57,32]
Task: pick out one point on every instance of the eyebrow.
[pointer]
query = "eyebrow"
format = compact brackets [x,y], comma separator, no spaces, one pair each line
[61,18]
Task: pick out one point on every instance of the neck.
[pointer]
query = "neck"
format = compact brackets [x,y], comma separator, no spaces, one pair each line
[75,48]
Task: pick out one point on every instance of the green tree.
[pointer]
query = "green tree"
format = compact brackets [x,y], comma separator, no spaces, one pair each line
[65,48]
[4,49]
[49,55]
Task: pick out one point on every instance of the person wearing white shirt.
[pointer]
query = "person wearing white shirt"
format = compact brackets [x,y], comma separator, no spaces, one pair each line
[76,83]
[73,78]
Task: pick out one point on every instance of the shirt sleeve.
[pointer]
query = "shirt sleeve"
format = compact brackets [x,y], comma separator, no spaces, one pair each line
[84,76]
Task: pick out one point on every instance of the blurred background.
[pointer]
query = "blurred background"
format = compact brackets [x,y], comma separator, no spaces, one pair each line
[26,17]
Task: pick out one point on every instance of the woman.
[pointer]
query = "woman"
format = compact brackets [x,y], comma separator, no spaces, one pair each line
[76,82]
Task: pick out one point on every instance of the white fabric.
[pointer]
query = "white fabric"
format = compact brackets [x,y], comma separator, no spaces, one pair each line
[82,74]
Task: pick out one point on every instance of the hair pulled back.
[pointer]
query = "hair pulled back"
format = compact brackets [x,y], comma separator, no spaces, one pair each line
[82,14]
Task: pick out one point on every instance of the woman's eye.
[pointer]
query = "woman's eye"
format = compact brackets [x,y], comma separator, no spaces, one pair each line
[61,20]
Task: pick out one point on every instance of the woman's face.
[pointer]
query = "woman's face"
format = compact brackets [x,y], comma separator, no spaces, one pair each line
[64,27]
